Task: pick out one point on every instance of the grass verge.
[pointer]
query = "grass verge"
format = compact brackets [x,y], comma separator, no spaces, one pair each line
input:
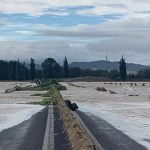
[47,85]
[50,97]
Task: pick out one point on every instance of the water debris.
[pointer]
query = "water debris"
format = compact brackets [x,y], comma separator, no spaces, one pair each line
[133,95]
[112,92]
[101,89]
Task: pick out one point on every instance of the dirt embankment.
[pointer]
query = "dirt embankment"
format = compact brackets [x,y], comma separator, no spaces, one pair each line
[78,137]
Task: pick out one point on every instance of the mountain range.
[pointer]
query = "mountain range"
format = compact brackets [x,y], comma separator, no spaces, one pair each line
[107,65]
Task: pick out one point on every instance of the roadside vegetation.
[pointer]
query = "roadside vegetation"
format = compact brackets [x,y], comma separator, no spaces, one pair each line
[46,86]
[50,97]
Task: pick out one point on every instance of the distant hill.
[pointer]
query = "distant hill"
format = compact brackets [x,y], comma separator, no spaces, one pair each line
[107,65]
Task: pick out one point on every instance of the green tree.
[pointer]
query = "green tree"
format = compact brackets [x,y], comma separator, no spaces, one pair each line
[12,66]
[114,74]
[18,70]
[131,76]
[51,69]
[24,73]
[32,69]
[75,72]
[13,70]
[4,74]
[122,69]
[144,73]
[65,68]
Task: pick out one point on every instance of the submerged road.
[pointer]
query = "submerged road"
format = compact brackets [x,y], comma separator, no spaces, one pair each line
[28,135]
[109,137]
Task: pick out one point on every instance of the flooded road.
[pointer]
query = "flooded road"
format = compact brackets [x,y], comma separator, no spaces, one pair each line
[126,107]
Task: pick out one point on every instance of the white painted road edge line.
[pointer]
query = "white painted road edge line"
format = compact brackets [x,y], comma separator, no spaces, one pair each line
[48,143]
[52,128]
[93,139]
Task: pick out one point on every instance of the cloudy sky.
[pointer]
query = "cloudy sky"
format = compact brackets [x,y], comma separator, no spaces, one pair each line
[82,30]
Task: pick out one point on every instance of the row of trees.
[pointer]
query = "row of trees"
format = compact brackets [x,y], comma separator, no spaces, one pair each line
[51,69]
[14,70]
[114,74]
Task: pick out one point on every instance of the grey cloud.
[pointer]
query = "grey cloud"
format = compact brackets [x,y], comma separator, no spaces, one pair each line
[37,49]
[134,50]
[87,43]
[116,5]
[104,33]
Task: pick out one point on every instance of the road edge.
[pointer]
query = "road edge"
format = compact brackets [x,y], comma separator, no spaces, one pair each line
[93,139]
[48,143]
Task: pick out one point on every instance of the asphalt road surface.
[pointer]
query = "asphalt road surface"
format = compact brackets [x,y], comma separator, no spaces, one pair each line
[109,137]
[28,135]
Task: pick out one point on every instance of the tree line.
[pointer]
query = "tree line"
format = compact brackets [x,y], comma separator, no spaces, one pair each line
[16,70]
[51,69]
[13,70]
